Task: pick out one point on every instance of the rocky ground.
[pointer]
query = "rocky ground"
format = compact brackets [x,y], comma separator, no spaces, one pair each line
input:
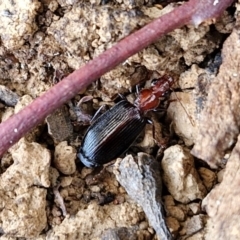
[161,184]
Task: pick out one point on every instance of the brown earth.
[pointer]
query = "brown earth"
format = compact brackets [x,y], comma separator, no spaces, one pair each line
[45,191]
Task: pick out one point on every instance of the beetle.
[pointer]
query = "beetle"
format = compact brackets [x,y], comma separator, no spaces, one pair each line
[113,132]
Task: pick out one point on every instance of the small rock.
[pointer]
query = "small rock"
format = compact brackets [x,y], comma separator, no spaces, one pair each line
[173,225]
[184,207]
[95,189]
[66,181]
[53,5]
[86,171]
[64,193]
[64,158]
[151,230]
[9,97]
[175,212]
[194,224]
[143,225]
[180,176]
[23,191]
[56,212]
[208,177]
[168,200]
[222,203]
[183,118]
[59,124]
[142,182]
[31,166]
[195,207]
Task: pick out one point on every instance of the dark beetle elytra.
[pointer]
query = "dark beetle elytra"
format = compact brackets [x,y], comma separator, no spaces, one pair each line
[113,132]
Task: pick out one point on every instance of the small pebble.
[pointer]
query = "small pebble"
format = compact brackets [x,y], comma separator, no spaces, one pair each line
[64,158]
[195,207]
[95,189]
[143,225]
[66,181]
[151,230]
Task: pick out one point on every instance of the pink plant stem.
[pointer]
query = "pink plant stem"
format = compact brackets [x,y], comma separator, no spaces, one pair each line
[194,11]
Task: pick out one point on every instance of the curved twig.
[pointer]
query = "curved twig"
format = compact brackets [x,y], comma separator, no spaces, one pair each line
[194,11]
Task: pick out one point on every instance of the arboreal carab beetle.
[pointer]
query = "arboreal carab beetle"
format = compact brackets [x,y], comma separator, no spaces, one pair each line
[114,131]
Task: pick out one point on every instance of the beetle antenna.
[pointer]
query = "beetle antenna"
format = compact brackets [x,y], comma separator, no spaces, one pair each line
[190,118]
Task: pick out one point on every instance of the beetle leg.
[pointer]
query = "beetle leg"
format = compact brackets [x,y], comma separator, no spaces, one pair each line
[149,121]
[96,175]
[122,96]
[80,115]
[97,114]
[84,99]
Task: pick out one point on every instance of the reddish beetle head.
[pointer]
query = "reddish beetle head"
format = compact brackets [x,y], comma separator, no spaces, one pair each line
[162,86]
[149,99]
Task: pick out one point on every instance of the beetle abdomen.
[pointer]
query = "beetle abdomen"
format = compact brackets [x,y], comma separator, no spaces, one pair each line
[111,134]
